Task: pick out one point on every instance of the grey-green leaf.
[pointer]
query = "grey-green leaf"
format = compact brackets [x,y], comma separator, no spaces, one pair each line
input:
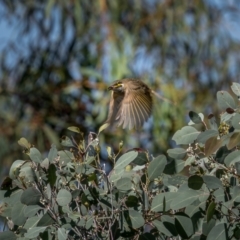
[35,155]
[31,196]
[236,88]
[161,202]
[156,167]
[125,159]
[177,153]
[218,232]
[124,184]
[137,219]
[212,182]
[184,199]
[225,100]
[64,197]
[186,135]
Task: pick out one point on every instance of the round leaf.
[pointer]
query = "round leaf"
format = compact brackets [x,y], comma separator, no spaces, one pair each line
[195,182]
[64,197]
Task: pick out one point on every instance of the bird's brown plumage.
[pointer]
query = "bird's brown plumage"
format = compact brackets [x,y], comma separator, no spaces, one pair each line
[131,103]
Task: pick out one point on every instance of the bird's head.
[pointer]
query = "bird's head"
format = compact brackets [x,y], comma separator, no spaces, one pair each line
[117,87]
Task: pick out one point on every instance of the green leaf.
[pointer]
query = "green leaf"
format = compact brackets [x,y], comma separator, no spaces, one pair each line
[34,232]
[207,227]
[236,194]
[52,175]
[46,220]
[204,136]
[236,121]
[219,232]
[141,159]
[183,225]
[195,182]
[74,129]
[219,195]
[184,199]
[31,211]
[211,210]
[64,197]
[236,88]
[35,155]
[179,165]
[132,201]
[53,153]
[66,142]
[17,214]
[103,127]
[162,229]
[156,167]
[8,235]
[225,100]
[232,157]
[23,142]
[177,153]
[31,196]
[15,169]
[212,182]
[136,218]
[195,118]
[124,184]
[125,159]
[62,234]
[186,135]
[161,202]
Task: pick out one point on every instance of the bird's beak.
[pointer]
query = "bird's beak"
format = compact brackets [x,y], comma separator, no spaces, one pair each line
[110,88]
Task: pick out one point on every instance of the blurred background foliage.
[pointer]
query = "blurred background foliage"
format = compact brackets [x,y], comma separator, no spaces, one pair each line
[58,57]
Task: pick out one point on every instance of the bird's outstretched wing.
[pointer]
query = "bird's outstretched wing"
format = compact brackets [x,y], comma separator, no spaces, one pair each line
[135,108]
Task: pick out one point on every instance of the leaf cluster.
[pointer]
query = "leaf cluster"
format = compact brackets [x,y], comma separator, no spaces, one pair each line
[192,193]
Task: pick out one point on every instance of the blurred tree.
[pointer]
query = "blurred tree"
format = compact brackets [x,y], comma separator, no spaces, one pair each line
[62,55]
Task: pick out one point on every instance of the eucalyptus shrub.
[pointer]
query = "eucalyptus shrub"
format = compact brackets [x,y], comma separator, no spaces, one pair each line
[193,193]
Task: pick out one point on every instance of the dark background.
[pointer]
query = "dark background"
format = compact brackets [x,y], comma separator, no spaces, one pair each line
[57,59]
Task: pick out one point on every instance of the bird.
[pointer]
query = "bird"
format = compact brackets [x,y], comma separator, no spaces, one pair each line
[131,103]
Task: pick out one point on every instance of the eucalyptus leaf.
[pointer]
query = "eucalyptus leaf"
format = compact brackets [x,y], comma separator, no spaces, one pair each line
[204,136]
[184,199]
[31,196]
[124,184]
[177,153]
[219,232]
[125,159]
[136,218]
[212,182]
[236,88]
[236,121]
[64,197]
[156,167]
[232,157]
[186,135]
[195,118]
[183,225]
[35,155]
[225,100]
